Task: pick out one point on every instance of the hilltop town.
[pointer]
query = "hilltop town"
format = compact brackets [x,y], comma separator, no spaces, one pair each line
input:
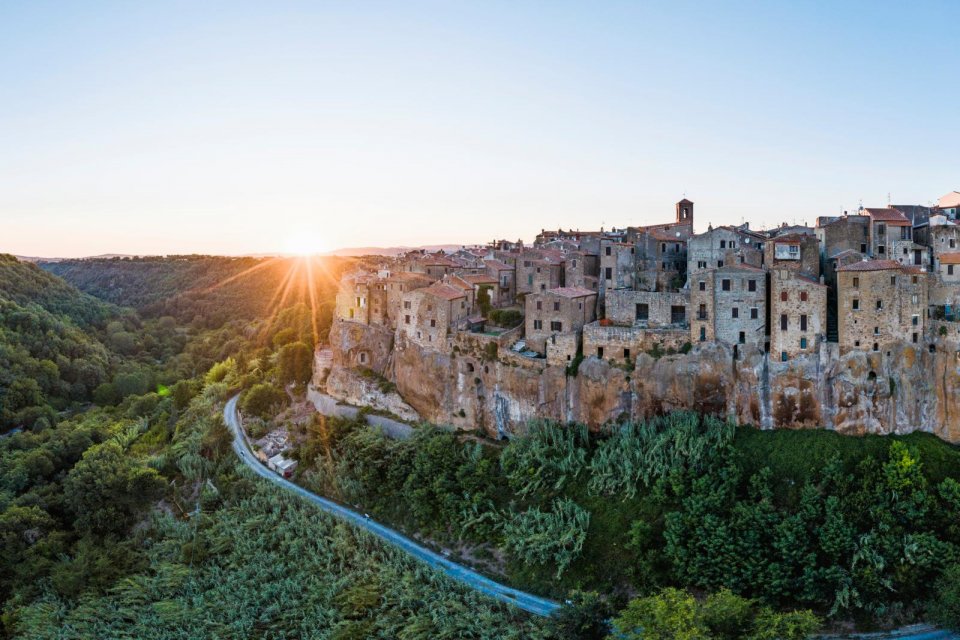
[848,324]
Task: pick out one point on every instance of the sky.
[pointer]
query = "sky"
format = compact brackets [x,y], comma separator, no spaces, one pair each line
[246,127]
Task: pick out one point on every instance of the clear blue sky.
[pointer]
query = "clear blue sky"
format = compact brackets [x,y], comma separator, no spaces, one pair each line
[230,127]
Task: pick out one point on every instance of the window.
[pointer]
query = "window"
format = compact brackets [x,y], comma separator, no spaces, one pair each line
[879,305]
[856,304]
[876,331]
[626,354]
[863,248]
[881,229]
[725,284]
[556,326]
[914,280]
[754,313]
[703,286]
[530,278]
[678,314]
[702,312]
[742,337]
[783,322]
[538,324]
[703,334]
[556,306]
[735,312]
[574,264]
[856,282]
[719,263]
[751,285]
[856,343]
[643,311]
[893,281]
[600,352]
[915,299]
[784,296]
[608,250]
[406,320]
[351,313]
[803,296]
[701,264]
[876,347]
[663,247]
[915,320]
[608,273]
[803,343]
[881,249]
[433,323]
[783,356]
[953,243]
[539,305]
[949,269]
[723,244]
[915,336]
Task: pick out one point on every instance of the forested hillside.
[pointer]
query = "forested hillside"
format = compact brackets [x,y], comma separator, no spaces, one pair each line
[205,290]
[123,512]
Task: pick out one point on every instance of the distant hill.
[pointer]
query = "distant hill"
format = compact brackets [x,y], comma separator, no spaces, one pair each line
[389,251]
[210,289]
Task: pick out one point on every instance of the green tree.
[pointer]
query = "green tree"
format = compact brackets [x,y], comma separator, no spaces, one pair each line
[295,362]
[107,489]
[669,615]
[263,400]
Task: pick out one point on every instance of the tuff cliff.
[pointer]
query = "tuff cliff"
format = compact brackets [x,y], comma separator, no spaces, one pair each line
[903,389]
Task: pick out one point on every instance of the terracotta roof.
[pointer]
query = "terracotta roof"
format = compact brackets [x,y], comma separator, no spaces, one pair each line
[458,282]
[498,265]
[950,200]
[409,276]
[893,217]
[445,291]
[572,292]
[808,279]
[952,257]
[872,265]
[479,278]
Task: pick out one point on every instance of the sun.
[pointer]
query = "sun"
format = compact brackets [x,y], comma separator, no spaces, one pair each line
[303,245]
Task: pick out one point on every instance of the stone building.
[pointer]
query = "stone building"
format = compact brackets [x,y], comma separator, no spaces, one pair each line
[506,277]
[557,311]
[843,233]
[621,345]
[798,252]
[719,247]
[539,271]
[582,270]
[618,265]
[430,315]
[648,309]
[880,302]
[361,298]
[889,229]
[396,285]
[434,265]
[729,305]
[798,313]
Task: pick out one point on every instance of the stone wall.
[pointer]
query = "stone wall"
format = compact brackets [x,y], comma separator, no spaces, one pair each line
[355,344]
[620,345]
[621,307]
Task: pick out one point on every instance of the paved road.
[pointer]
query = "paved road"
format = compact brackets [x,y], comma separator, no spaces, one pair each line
[464,575]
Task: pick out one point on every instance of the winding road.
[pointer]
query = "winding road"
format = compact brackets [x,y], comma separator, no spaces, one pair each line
[526,601]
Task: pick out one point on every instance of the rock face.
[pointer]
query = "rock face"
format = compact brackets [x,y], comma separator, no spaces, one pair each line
[907,388]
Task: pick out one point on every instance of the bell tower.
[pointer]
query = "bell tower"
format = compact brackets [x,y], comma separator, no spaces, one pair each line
[685,212]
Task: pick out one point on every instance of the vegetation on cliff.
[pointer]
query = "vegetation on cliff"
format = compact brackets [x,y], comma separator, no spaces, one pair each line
[854,529]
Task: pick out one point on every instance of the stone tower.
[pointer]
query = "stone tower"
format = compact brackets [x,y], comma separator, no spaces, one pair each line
[685,212]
